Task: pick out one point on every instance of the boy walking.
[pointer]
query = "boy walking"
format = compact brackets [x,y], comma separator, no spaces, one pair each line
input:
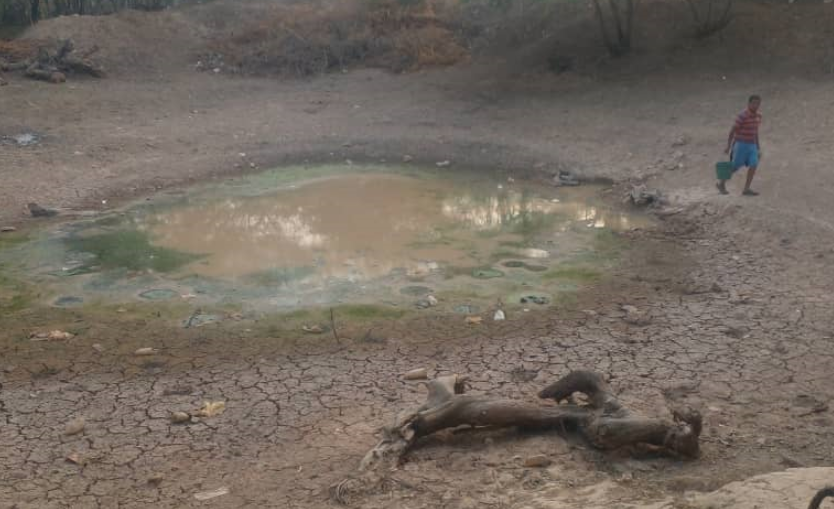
[743,144]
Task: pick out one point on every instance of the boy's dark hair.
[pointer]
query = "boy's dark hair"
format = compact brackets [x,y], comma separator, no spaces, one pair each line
[754,98]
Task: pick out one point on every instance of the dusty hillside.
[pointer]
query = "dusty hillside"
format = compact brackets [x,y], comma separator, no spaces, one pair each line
[265,37]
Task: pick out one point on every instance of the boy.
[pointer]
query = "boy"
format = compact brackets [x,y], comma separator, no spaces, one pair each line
[743,143]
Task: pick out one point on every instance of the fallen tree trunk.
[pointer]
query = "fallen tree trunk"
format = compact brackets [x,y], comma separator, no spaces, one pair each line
[53,67]
[603,421]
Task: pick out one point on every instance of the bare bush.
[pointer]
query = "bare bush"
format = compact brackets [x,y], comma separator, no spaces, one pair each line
[711,16]
[311,38]
[616,23]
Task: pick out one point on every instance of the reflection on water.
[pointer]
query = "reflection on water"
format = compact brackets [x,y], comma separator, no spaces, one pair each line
[360,226]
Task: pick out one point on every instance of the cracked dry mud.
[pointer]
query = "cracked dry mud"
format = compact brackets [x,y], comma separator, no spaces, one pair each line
[739,325]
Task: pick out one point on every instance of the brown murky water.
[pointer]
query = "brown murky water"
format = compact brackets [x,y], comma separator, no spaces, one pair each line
[288,239]
[359,226]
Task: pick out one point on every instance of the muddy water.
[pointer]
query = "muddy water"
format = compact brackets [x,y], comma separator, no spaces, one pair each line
[336,236]
[357,226]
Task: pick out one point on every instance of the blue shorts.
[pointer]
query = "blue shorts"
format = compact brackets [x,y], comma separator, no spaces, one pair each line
[745,154]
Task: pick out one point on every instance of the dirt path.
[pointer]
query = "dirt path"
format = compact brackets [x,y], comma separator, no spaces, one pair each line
[738,292]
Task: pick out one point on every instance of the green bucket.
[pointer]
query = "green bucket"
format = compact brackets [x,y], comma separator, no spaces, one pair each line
[724,170]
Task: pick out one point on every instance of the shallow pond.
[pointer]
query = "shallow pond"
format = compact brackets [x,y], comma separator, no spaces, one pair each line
[318,236]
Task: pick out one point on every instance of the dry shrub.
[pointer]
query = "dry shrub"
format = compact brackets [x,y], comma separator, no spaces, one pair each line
[310,38]
[19,50]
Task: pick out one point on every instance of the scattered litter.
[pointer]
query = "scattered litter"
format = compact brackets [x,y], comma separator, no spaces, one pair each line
[211,408]
[565,178]
[642,196]
[442,164]
[416,374]
[499,315]
[538,461]
[146,351]
[429,302]
[474,320]
[180,417]
[75,427]
[534,299]
[55,335]
[208,495]
[75,459]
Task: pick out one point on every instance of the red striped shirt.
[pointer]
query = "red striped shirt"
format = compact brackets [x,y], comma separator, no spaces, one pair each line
[747,126]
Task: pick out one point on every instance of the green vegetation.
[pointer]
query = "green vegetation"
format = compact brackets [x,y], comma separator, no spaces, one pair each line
[367,311]
[14,295]
[576,274]
[131,250]
[8,240]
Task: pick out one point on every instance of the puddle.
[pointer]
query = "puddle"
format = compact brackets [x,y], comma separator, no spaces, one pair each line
[294,237]
[22,139]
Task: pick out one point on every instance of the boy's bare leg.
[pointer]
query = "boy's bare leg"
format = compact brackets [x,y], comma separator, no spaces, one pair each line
[751,172]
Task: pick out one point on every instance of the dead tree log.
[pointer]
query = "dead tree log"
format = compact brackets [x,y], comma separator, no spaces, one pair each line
[53,67]
[603,421]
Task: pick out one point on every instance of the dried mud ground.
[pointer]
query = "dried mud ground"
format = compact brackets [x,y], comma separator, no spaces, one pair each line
[737,291]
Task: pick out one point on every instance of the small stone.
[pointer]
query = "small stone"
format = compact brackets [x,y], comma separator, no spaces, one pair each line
[142,352]
[155,479]
[499,315]
[416,374]
[443,164]
[7,229]
[98,348]
[75,427]
[180,417]
[538,461]
[432,300]
[38,211]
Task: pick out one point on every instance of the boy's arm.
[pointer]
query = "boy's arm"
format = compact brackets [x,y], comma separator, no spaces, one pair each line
[731,137]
